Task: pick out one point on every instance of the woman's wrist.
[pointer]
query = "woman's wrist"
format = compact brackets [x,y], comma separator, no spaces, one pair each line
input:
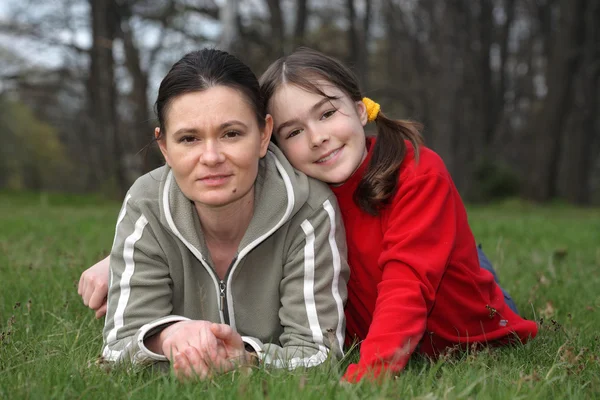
[154,342]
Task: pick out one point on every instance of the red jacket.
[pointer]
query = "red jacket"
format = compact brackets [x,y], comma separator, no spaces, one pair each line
[415,278]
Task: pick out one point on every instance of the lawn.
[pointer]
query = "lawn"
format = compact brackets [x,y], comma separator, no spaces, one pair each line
[547,257]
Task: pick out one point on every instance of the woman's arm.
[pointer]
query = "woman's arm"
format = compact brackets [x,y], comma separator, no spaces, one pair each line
[416,247]
[139,297]
[313,294]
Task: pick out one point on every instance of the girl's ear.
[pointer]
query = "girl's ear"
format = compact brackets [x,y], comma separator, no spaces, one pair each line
[361,110]
[162,143]
[265,136]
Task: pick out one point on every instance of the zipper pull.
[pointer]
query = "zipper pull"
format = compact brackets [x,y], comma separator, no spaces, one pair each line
[222,288]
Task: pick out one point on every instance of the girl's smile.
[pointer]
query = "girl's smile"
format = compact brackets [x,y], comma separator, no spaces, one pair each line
[321,136]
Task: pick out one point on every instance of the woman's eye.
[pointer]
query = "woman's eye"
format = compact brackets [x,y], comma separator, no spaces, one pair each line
[294,133]
[187,139]
[231,134]
[328,114]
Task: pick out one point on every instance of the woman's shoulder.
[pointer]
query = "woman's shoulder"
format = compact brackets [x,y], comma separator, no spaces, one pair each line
[148,186]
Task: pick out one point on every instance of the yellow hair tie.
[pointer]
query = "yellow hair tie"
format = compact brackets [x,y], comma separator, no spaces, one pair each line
[372,109]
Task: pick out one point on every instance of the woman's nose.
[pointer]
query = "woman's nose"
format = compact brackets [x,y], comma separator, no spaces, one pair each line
[212,153]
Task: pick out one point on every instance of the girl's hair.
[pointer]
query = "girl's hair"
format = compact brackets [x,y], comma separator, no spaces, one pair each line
[203,69]
[304,68]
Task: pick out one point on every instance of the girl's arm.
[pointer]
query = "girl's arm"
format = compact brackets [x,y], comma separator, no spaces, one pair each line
[93,286]
[417,244]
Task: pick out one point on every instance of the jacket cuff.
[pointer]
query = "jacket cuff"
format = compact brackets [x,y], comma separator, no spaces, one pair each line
[150,329]
[253,344]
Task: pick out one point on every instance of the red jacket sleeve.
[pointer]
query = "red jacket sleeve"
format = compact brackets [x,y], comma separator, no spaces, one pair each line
[417,242]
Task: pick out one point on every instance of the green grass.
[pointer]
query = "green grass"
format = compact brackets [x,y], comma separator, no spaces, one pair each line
[547,257]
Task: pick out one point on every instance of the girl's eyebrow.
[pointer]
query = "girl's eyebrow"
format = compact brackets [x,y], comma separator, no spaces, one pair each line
[315,107]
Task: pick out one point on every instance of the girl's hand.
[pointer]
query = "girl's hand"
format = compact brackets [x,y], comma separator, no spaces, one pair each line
[93,286]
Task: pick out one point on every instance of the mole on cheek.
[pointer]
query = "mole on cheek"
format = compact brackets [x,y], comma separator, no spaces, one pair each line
[234,190]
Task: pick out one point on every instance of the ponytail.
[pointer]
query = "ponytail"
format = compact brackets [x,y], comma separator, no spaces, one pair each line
[380,181]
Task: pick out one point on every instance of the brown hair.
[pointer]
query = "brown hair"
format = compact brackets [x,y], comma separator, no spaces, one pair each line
[380,181]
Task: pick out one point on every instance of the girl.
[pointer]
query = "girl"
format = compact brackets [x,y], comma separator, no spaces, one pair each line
[416,281]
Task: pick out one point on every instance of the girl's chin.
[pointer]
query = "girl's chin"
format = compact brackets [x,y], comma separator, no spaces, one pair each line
[335,180]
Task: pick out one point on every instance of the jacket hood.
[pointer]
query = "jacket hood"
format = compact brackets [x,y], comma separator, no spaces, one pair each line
[279,192]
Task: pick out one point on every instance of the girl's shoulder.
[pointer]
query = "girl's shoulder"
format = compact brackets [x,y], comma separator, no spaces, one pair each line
[428,162]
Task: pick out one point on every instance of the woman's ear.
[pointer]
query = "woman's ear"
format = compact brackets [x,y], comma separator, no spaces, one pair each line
[162,143]
[265,137]
[361,110]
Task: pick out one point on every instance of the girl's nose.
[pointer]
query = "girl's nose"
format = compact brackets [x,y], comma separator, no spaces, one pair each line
[318,138]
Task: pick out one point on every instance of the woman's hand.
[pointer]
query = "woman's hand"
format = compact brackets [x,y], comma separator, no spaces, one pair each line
[232,345]
[200,349]
[93,286]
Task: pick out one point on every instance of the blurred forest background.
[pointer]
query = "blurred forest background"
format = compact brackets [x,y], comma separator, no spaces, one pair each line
[508,90]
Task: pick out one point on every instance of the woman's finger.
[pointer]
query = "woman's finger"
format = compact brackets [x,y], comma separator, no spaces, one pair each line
[198,366]
[208,343]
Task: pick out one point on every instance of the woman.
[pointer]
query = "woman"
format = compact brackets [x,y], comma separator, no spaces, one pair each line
[226,253]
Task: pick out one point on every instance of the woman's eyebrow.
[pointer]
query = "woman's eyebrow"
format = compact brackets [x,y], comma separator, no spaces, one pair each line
[224,125]
[315,107]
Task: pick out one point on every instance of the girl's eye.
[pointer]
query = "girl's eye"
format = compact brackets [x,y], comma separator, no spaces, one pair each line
[231,134]
[328,114]
[294,133]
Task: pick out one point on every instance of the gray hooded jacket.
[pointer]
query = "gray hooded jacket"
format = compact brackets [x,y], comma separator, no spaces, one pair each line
[284,292]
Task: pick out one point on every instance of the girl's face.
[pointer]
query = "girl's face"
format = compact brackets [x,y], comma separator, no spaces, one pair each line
[212,144]
[323,138]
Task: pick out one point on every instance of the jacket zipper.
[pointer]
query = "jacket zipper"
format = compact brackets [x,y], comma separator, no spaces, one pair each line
[223,292]
[222,289]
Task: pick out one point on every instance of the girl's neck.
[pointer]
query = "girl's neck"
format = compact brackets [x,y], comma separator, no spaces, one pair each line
[226,225]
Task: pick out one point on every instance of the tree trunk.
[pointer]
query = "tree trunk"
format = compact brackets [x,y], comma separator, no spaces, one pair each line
[102,92]
[277,29]
[580,147]
[228,17]
[353,44]
[301,18]
[546,123]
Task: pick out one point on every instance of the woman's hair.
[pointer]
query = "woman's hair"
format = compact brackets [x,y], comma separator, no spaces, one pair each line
[303,68]
[203,69]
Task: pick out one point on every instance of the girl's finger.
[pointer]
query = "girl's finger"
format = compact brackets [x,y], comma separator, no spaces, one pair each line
[87,294]
[101,311]
[80,285]
[98,296]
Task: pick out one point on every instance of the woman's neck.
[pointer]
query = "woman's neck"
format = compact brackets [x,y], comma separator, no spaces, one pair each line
[226,225]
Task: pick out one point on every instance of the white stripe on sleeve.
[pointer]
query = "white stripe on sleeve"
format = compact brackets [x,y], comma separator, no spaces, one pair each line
[335,284]
[309,284]
[119,219]
[124,284]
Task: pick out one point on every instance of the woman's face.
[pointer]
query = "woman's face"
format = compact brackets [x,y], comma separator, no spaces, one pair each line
[213,144]
[323,138]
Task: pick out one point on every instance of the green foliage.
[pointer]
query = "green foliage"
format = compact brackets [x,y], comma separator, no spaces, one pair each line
[495,180]
[32,155]
[548,258]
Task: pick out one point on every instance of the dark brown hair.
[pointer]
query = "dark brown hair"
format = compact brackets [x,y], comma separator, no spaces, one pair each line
[203,69]
[380,181]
